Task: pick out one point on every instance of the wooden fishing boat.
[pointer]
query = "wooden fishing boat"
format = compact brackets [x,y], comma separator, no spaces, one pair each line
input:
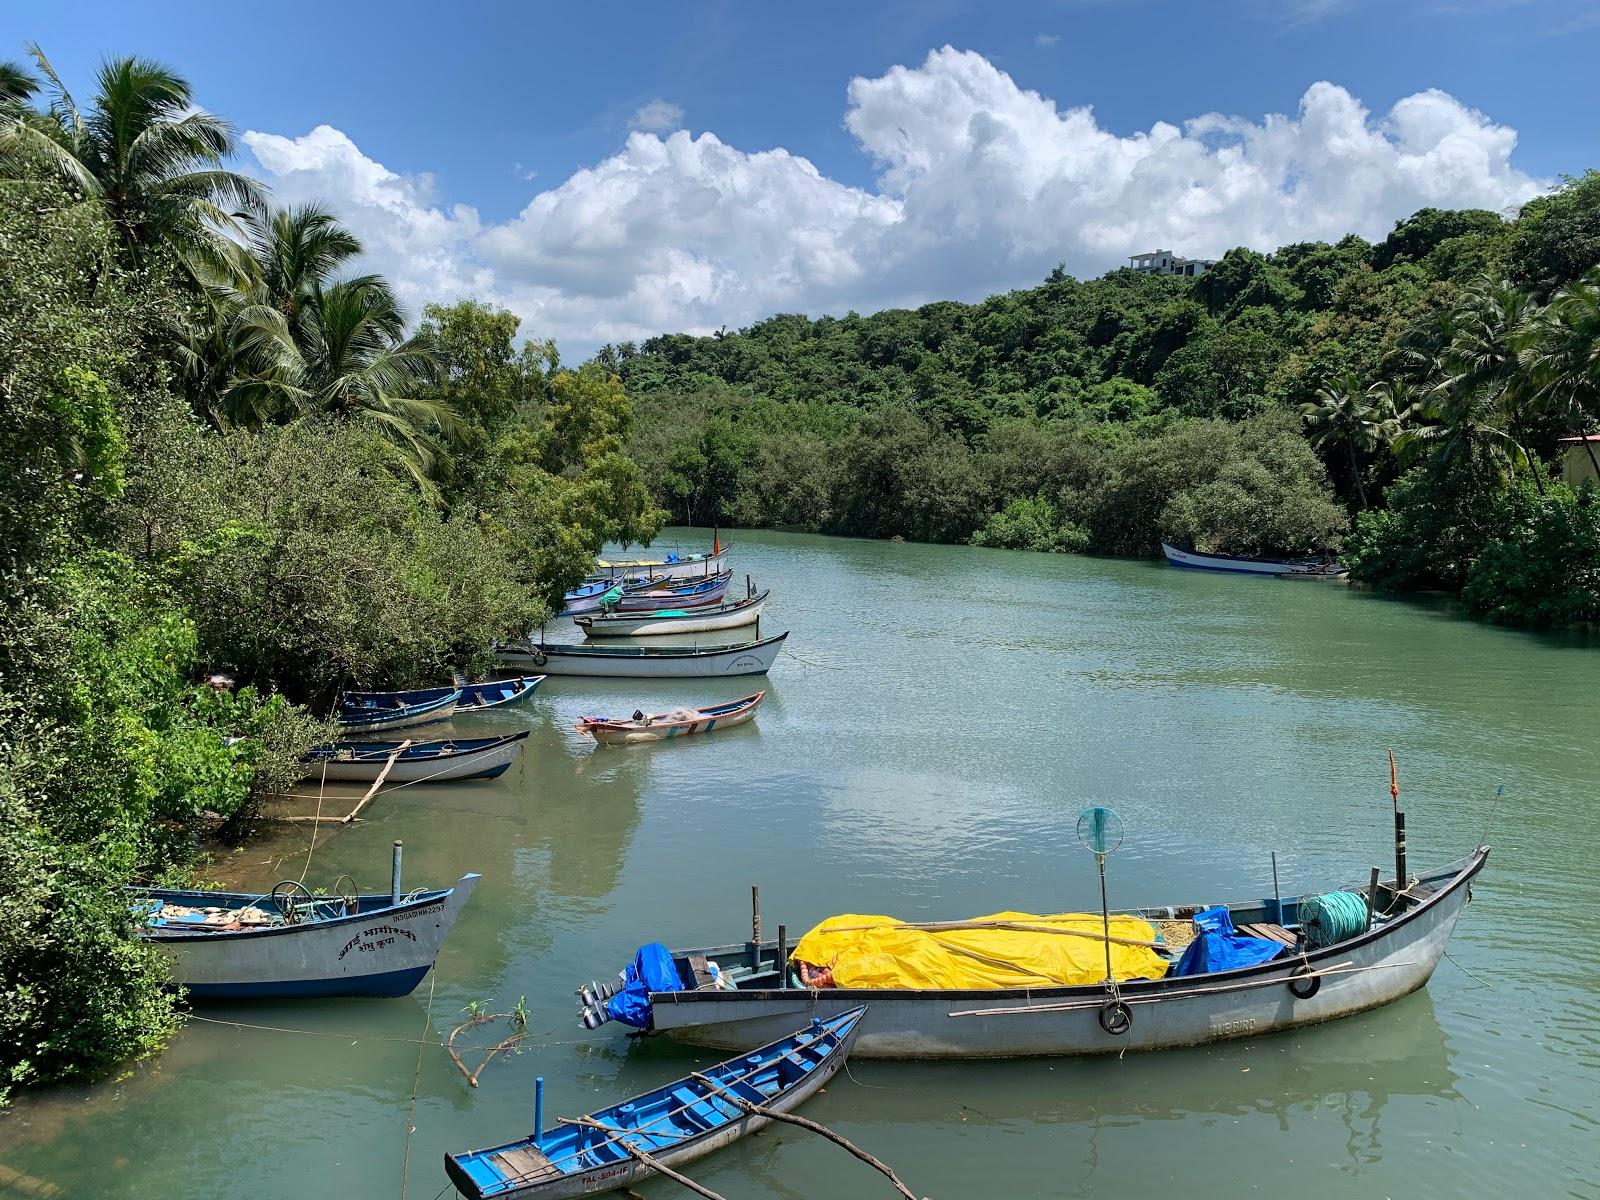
[419,762]
[642,662]
[1394,955]
[672,1125]
[496,693]
[658,727]
[1310,568]
[672,566]
[704,619]
[684,595]
[644,593]
[237,946]
[368,712]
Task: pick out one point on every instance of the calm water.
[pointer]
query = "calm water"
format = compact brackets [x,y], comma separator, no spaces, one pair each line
[939,718]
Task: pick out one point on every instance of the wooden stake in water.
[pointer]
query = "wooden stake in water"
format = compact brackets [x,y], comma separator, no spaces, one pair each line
[1400,877]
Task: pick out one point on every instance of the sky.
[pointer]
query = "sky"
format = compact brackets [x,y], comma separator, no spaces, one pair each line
[611,172]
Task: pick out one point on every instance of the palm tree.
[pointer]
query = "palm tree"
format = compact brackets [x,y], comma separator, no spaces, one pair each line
[17,87]
[1480,395]
[358,363]
[1562,355]
[142,152]
[291,343]
[1362,420]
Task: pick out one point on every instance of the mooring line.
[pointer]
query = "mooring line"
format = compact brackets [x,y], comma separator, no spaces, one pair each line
[416,1082]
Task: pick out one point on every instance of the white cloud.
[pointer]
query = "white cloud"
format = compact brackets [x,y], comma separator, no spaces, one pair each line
[658,116]
[981,186]
[1046,40]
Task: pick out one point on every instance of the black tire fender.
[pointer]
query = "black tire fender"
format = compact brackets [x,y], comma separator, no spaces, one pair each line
[1303,983]
[1115,1017]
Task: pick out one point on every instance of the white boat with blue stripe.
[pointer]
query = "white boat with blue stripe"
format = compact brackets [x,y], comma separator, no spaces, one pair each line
[1298,568]
[290,943]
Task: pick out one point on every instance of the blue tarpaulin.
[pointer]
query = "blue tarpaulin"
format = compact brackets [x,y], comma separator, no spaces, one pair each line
[652,970]
[1220,948]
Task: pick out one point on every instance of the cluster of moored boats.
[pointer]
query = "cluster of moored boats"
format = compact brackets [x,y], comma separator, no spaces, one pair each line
[1005,985]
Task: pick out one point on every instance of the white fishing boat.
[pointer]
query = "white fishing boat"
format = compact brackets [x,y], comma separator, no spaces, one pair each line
[237,946]
[1309,568]
[672,566]
[734,615]
[754,996]
[415,762]
[642,662]
[658,727]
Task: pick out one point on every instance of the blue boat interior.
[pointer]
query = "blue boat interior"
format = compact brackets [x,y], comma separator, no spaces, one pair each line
[363,702]
[495,692]
[656,1122]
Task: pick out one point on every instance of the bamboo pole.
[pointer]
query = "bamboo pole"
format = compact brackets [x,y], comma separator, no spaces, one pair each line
[376,783]
[653,1163]
[773,1114]
[1019,926]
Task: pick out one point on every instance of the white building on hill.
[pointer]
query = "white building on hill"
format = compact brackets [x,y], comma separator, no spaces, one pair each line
[1165,262]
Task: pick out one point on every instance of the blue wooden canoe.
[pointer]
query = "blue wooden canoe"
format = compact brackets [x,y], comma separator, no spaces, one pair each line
[367,712]
[673,1125]
[477,697]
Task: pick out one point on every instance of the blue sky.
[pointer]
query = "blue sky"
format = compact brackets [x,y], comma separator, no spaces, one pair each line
[930,177]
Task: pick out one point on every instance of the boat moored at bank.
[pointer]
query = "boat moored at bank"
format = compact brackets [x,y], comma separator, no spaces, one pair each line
[642,662]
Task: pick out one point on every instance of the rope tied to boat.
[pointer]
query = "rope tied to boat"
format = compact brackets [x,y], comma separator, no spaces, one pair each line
[1332,917]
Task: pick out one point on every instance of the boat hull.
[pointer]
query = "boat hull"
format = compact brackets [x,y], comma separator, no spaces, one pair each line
[1189,560]
[750,658]
[384,952]
[659,624]
[477,762]
[1383,966]
[374,720]
[693,568]
[723,716]
[658,599]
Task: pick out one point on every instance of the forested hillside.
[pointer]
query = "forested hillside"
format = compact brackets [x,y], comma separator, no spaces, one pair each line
[1268,406]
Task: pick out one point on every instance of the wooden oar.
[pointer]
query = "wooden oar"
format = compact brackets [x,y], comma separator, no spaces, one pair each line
[773,1114]
[653,1163]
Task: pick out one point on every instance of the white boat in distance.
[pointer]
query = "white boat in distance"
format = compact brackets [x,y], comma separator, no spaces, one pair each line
[710,619]
[643,662]
[1307,567]
[692,566]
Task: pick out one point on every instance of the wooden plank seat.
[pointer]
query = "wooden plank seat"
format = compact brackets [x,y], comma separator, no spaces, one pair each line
[526,1165]
[701,972]
[1269,932]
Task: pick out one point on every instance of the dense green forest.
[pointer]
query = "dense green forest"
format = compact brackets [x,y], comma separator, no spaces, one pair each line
[224,451]
[1403,402]
[236,477]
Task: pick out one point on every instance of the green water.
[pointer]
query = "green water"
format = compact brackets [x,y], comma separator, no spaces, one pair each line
[937,720]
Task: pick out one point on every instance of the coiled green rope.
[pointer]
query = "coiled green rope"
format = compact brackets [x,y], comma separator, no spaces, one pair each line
[1332,917]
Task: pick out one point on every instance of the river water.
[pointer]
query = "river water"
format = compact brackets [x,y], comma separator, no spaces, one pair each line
[937,720]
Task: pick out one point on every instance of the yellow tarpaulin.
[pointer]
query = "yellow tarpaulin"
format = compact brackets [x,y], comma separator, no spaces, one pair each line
[1010,950]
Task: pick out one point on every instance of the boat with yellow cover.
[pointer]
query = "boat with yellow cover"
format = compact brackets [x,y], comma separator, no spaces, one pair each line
[1015,985]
